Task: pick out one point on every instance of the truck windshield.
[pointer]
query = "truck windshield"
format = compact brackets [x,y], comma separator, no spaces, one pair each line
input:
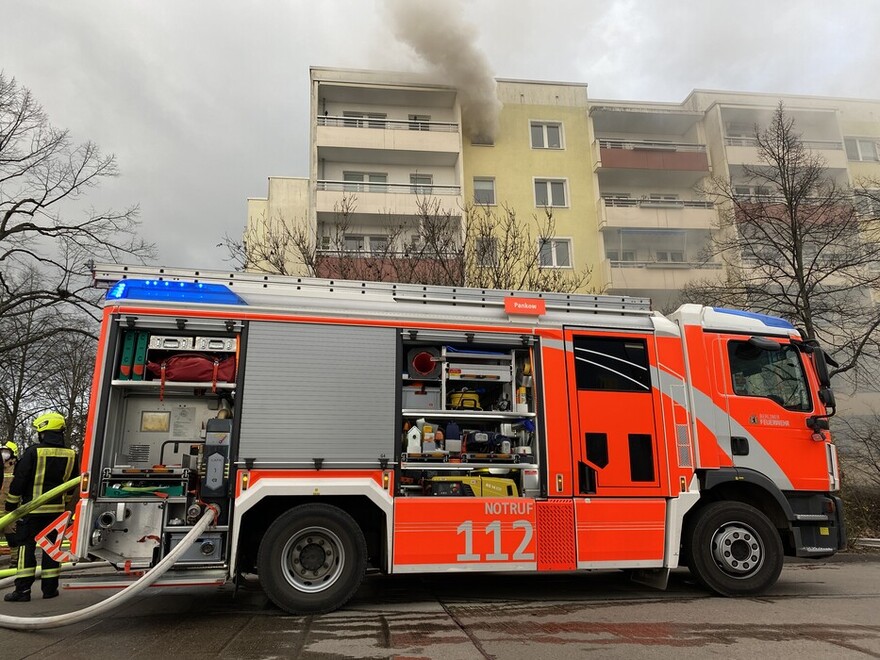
[776,375]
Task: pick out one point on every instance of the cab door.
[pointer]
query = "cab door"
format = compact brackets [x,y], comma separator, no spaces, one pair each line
[620,470]
[614,413]
[769,399]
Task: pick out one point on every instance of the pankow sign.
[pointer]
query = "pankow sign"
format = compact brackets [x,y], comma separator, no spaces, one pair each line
[533,306]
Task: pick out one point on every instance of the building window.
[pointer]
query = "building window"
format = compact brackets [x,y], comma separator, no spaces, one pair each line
[421,184]
[625,255]
[365,181]
[419,122]
[675,256]
[546,135]
[375,245]
[486,251]
[750,192]
[740,129]
[549,192]
[554,253]
[364,119]
[867,203]
[484,191]
[861,149]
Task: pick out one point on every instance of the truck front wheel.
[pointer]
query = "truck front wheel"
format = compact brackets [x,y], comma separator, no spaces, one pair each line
[312,559]
[733,549]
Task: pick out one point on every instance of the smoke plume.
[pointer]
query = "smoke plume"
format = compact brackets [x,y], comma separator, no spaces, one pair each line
[434,30]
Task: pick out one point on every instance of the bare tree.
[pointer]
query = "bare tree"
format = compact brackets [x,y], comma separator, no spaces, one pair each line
[796,246]
[67,385]
[44,175]
[501,251]
[29,335]
[478,246]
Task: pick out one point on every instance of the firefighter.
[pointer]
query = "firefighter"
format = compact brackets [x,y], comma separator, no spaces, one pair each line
[8,454]
[41,468]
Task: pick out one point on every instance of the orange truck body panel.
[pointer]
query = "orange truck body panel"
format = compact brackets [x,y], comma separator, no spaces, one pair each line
[612,463]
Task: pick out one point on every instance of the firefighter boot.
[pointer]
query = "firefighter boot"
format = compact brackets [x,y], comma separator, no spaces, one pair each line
[17,597]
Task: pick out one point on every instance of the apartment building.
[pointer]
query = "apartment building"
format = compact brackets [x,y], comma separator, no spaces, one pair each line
[382,143]
[622,179]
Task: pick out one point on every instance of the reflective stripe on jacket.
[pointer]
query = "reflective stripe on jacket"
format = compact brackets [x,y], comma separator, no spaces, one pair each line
[43,467]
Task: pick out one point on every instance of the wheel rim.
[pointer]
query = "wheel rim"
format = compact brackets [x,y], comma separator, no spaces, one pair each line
[737,549]
[313,559]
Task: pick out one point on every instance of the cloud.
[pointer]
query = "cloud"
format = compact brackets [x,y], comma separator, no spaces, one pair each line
[202,104]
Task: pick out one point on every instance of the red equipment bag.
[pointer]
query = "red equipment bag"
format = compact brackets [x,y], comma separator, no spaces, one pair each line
[194,367]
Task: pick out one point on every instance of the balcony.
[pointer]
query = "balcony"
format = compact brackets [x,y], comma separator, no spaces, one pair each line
[744,151]
[627,213]
[650,155]
[646,276]
[354,139]
[385,198]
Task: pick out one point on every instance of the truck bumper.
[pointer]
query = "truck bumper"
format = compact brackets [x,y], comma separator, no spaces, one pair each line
[817,528]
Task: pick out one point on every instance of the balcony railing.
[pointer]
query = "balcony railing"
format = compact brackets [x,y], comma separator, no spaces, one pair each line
[809,144]
[647,145]
[682,265]
[415,253]
[388,124]
[627,202]
[394,188]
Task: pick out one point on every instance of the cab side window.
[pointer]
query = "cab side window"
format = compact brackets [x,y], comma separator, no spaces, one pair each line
[611,363]
[776,375]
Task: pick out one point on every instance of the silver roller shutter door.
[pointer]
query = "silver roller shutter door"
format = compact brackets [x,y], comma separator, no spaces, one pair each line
[318,391]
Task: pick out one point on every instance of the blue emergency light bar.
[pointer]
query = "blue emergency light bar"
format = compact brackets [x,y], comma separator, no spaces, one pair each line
[168,291]
[766,319]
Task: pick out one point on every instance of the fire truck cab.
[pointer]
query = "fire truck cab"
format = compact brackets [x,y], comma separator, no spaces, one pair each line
[340,426]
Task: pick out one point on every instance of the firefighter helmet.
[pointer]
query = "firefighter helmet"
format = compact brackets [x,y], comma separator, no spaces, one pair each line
[9,450]
[50,421]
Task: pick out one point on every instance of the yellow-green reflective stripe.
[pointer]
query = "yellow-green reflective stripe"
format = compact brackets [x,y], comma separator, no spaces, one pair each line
[51,572]
[54,452]
[13,499]
[27,572]
[40,474]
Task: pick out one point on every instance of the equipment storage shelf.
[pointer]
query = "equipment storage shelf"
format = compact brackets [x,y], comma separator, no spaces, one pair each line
[506,464]
[467,414]
[172,385]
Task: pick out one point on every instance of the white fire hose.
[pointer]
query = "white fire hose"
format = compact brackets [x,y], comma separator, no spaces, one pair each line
[44,622]
[64,568]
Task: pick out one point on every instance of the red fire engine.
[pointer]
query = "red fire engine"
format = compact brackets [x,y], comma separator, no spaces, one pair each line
[342,426]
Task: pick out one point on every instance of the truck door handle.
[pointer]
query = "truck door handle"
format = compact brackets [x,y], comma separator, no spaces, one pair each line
[739,446]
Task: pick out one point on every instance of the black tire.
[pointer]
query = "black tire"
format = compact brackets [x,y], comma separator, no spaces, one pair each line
[312,559]
[733,549]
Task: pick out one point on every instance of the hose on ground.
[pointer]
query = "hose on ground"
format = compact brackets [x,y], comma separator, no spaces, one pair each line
[45,622]
[8,574]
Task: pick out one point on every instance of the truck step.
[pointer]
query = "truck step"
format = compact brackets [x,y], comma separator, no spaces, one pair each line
[194,578]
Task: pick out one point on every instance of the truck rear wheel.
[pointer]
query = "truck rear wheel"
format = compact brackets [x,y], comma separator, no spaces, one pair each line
[312,559]
[733,549]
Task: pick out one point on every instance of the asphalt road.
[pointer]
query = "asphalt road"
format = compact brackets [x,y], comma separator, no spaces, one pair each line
[817,610]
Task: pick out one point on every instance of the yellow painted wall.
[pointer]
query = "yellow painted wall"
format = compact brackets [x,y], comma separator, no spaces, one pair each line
[514,164]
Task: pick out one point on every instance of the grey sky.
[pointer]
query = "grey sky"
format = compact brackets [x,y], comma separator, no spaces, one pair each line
[202,101]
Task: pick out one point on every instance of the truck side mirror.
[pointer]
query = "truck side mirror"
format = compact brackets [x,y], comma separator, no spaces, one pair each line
[822,371]
[826,396]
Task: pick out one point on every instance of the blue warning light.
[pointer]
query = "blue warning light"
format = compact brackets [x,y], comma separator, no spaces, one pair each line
[168,291]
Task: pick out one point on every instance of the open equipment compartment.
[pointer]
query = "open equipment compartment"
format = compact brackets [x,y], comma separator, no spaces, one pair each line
[166,439]
[469,420]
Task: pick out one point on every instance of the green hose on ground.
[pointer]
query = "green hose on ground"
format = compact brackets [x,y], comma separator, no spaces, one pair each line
[25,509]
